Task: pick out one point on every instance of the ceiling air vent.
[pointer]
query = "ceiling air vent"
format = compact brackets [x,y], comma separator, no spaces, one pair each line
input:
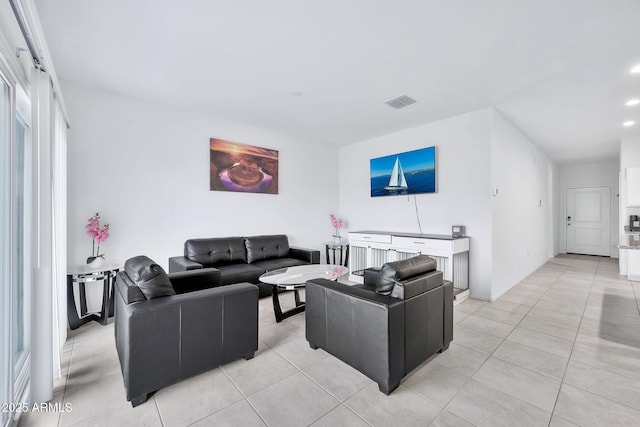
[400,101]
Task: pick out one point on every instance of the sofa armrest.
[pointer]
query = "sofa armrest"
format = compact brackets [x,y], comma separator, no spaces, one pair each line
[309,255]
[181,263]
[195,280]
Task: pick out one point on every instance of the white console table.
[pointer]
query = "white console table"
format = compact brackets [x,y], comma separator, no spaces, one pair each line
[374,248]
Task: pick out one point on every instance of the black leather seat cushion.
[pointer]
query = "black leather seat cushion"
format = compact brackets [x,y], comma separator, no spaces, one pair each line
[276,263]
[236,273]
[149,277]
[216,251]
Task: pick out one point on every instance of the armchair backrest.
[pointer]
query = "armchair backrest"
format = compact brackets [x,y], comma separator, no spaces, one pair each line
[148,277]
[406,278]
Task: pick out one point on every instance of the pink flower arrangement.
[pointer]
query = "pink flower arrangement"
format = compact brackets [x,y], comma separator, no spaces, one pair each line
[336,223]
[336,272]
[98,235]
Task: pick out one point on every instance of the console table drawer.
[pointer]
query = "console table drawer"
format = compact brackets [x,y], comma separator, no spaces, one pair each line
[377,238]
[422,244]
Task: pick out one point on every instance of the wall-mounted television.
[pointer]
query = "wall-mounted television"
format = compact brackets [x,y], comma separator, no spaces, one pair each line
[411,172]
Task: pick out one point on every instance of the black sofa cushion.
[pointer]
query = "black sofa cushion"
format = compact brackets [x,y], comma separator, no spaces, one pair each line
[266,247]
[149,277]
[194,280]
[396,271]
[216,251]
[236,273]
[276,263]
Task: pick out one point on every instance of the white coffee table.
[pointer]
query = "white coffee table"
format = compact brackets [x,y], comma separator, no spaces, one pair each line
[294,278]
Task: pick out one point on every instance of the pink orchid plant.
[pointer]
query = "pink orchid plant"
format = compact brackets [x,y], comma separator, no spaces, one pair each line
[337,224]
[98,235]
[337,271]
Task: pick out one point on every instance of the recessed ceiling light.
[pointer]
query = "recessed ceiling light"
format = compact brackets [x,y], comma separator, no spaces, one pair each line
[629,123]
[632,102]
[636,69]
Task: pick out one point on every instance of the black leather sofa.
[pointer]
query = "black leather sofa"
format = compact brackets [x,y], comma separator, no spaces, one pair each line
[242,259]
[171,327]
[385,328]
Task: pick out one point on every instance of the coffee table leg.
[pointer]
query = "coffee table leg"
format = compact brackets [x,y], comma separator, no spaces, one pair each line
[277,310]
[296,295]
[276,305]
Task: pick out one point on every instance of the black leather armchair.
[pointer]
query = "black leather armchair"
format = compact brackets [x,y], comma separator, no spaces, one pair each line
[171,327]
[385,328]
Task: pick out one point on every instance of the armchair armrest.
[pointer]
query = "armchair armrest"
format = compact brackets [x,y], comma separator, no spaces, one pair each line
[309,255]
[371,277]
[195,280]
[181,263]
[417,285]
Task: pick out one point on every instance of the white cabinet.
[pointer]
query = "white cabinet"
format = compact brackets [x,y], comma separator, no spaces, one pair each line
[633,265]
[633,187]
[374,248]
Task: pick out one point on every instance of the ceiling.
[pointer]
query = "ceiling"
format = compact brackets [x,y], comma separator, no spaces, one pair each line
[321,70]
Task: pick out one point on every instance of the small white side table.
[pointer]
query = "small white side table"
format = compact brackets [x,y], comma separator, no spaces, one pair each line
[82,275]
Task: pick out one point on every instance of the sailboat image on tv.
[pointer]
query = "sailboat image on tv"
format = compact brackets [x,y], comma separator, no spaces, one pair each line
[398,174]
[397,182]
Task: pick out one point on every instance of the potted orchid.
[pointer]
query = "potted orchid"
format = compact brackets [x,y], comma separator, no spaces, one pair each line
[337,225]
[98,235]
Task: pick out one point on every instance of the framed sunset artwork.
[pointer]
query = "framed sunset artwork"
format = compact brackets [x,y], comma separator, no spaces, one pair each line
[242,168]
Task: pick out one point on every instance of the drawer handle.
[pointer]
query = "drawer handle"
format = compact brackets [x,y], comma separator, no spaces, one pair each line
[419,243]
[366,237]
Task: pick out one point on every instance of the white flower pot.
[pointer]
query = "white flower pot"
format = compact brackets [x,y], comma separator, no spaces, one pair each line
[97,262]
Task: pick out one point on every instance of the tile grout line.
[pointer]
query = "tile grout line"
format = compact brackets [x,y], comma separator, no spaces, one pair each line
[155,402]
[596,367]
[243,396]
[505,339]
[518,325]
[66,381]
[491,354]
[562,383]
[636,295]
[340,403]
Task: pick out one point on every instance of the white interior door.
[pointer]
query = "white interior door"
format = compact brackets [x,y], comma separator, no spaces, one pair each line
[589,221]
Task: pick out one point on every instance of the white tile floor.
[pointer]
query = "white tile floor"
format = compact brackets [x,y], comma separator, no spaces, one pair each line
[562,348]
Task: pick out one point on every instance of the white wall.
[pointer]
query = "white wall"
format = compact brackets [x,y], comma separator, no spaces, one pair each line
[594,174]
[629,157]
[522,205]
[463,187]
[146,169]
